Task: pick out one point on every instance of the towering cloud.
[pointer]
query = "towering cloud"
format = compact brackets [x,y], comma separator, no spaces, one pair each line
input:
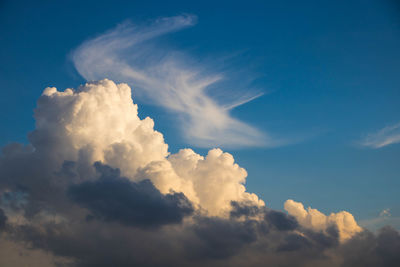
[97,185]
[99,122]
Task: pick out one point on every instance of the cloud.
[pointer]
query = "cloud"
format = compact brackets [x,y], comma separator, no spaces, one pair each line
[3,219]
[367,249]
[314,219]
[220,238]
[384,137]
[99,122]
[384,218]
[281,221]
[139,205]
[169,79]
[114,198]
[385,213]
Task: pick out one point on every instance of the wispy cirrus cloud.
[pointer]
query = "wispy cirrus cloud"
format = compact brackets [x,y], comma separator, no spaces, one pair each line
[384,137]
[384,218]
[169,79]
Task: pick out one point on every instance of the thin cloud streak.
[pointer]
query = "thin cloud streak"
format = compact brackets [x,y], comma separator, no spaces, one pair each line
[384,137]
[384,218]
[168,79]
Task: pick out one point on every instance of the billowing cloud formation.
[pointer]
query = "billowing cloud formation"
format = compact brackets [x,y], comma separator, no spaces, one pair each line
[99,122]
[314,219]
[97,186]
[169,80]
[384,137]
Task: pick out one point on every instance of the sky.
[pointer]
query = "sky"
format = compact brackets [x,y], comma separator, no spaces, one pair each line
[304,96]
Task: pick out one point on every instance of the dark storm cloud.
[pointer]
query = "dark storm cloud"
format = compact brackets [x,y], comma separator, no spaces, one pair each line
[277,219]
[367,249]
[294,242]
[210,241]
[117,204]
[3,220]
[242,209]
[281,221]
[114,198]
[251,236]
[221,238]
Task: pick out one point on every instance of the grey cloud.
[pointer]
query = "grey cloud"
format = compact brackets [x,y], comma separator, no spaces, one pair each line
[367,249]
[3,219]
[294,242]
[281,221]
[243,209]
[114,198]
[277,219]
[220,238]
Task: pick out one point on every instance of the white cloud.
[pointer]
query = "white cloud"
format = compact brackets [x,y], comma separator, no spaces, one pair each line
[99,122]
[385,213]
[384,137]
[168,79]
[316,220]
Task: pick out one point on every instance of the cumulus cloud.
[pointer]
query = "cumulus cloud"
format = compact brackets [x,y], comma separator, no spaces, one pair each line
[314,219]
[384,137]
[169,79]
[99,122]
[96,185]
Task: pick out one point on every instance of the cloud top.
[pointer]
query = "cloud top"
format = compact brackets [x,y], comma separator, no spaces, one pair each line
[312,218]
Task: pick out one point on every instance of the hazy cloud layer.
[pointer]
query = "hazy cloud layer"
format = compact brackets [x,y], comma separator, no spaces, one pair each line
[384,137]
[170,79]
[97,186]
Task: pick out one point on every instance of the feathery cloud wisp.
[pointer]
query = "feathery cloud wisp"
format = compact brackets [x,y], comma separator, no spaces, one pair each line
[384,137]
[166,78]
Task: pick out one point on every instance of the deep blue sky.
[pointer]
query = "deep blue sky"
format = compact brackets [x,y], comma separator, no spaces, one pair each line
[331,71]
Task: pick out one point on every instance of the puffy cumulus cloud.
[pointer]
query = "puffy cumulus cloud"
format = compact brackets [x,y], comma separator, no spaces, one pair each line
[217,179]
[99,122]
[96,185]
[314,219]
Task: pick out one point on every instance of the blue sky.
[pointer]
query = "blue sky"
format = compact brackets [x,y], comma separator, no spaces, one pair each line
[329,72]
